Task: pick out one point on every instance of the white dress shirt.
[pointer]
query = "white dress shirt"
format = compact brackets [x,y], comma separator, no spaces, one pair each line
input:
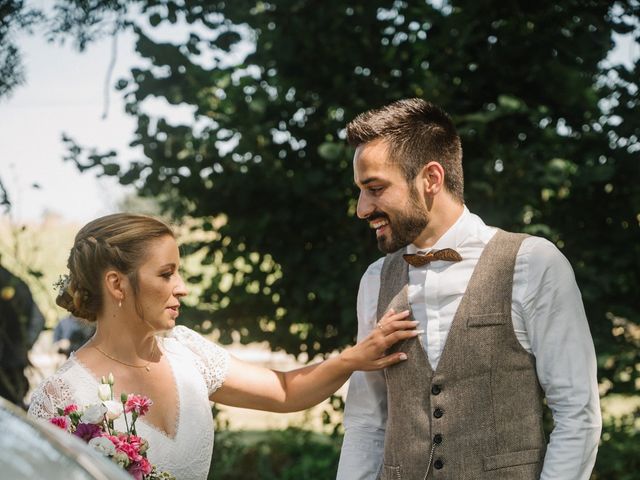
[548,319]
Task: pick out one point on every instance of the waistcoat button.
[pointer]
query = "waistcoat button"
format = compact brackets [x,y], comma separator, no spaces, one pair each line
[437,439]
[436,389]
[438,412]
[438,464]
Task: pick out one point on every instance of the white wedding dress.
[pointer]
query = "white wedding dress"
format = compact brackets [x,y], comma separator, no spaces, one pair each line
[199,369]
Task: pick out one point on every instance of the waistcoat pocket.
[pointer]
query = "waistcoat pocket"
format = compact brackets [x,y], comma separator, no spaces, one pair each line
[390,472]
[512,459]
[486,319]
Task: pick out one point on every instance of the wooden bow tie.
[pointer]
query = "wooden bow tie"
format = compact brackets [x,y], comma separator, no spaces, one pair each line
[421,259]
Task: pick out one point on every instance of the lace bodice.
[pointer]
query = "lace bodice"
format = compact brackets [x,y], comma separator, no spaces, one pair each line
[199,368]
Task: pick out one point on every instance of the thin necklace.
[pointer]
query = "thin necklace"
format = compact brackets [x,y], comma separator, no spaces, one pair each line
[146,367]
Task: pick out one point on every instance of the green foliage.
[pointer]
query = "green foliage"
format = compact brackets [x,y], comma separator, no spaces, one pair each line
[619,452]
[550,132]
[14,15]
[291,454]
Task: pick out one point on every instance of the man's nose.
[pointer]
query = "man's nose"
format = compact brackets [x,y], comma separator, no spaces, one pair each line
[365,206]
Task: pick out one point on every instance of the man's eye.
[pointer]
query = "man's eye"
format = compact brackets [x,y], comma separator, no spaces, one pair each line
[166,274]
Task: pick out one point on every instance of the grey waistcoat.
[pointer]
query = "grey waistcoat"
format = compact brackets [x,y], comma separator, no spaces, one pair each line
[479,414]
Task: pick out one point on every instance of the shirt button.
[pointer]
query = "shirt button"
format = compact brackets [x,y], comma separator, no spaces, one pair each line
[437,439]
[438,464]
[436,389]
[438,412]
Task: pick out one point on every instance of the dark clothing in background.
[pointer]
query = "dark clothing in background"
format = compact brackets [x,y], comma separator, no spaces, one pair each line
[76,331]
[20,325]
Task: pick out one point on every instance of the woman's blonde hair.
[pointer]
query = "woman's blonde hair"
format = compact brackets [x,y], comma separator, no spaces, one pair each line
[117,241]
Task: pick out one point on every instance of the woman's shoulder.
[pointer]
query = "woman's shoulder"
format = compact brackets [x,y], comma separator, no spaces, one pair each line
[194,341]
[211,359]
[191,339]
[182,334]
[55,391]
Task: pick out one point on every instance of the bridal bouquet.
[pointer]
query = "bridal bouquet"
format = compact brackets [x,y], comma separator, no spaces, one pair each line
[94,424]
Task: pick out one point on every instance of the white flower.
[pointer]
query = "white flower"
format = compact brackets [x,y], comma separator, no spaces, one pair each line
[114,409]
[103,445]
[94,414]
[104,391]
[121,459]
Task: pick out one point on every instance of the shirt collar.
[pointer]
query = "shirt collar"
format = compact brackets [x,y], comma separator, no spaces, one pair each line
[454,236]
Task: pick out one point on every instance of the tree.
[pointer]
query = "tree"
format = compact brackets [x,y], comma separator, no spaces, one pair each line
[550,133]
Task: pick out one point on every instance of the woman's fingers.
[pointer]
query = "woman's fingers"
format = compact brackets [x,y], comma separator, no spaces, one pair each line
[395,337]
[370,353]
[391,327]
[395,327]
[392,359]
[391,318]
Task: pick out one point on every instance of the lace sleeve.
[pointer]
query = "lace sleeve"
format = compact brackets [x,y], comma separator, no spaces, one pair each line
[52,394]
[213,359]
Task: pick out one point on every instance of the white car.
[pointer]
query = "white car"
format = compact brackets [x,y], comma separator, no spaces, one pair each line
[31,449]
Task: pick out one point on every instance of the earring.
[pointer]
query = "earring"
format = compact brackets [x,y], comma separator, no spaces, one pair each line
[120,304]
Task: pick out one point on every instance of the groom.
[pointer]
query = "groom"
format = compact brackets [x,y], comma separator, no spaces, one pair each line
[502,314]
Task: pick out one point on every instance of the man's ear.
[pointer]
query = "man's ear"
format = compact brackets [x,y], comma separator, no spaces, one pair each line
[432,178]
[115,283]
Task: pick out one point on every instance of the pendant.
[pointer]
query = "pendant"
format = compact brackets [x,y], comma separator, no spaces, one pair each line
[146,367]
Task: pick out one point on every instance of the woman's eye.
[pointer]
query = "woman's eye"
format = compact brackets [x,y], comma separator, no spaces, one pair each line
[166,274]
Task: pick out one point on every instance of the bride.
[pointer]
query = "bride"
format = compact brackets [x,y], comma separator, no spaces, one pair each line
[124,277]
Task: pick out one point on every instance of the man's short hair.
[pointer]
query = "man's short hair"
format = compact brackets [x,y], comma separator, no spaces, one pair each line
[416,132]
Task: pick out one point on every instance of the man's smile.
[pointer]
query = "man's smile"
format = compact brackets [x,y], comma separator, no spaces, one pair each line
[379,225]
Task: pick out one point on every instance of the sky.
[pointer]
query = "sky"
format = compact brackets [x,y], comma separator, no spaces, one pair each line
[64,93]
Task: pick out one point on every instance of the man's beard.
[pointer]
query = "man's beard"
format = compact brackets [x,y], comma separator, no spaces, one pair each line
[404,226]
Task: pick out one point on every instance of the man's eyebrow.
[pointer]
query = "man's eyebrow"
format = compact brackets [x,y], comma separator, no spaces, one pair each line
[172,265]
[369,180]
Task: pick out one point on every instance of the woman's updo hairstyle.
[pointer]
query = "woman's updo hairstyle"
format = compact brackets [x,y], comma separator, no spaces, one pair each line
[117,241]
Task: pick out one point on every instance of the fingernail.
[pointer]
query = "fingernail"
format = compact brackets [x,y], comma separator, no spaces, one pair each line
[415,322]
[418,332]
[403,356]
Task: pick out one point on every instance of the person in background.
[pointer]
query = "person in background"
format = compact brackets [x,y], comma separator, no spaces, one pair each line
[20,324]
[71,333]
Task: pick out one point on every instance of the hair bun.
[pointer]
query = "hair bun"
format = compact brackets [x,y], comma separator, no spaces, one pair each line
[74,298]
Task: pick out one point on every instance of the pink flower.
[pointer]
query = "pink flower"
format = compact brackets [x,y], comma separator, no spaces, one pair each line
[132,450]
[135,441]
[70,408]
[87,431]
[115,440]
[140,468]
[137,403]
[61,422]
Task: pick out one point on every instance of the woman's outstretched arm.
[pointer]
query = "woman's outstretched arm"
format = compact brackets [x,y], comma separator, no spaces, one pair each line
[251,386]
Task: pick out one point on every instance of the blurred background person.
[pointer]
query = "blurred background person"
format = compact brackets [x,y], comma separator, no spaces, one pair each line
[70,334]
[20,324]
